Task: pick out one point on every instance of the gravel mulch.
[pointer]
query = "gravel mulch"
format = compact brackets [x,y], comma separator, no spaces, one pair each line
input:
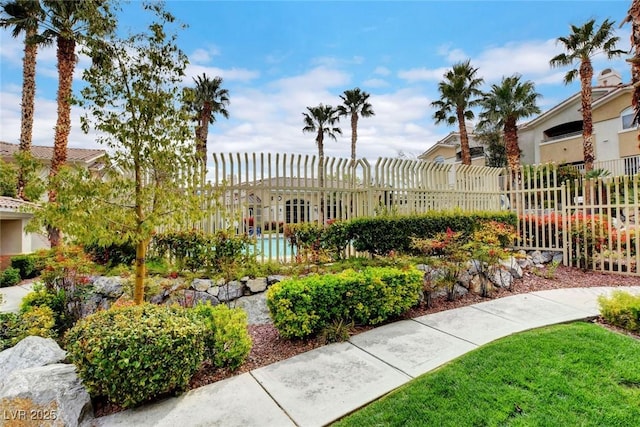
[269,347]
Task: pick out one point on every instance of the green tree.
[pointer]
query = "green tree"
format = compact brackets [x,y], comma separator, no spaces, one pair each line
[24,16]
[322,120]
[492,138]
[355,104]
[459,93]
[504,105]
[207,99]
[580,46]
[69,22]
[133,100]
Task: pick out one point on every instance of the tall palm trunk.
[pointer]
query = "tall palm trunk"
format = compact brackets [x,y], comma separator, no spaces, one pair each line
[634,17]
[586,75]
[28,97]
[354,135]
[320,141]
[202,132]
[66,65]
[464,138]
[513,158]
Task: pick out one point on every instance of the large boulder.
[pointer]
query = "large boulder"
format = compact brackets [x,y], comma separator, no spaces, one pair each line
[29,353]
[257,285]
[501,278]
[231,291]
[512,266]
[201,285]
[109,286]
[256,308]
[50,395]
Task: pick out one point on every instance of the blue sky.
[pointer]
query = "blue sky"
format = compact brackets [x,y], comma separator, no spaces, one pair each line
[276,58]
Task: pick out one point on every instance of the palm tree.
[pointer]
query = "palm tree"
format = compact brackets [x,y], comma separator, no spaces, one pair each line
[356,105]
[506,104]
[583,43]
[633,16]
[68,22]
[322,120]
[205,101]
[459,92]
[24,16]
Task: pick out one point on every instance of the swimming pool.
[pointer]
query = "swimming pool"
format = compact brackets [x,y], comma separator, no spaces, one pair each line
[272,247]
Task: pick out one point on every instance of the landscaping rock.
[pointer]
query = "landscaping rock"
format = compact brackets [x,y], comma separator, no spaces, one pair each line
[93,303]
[231,291]
[558,258]
[512,266]
[49,395]
[256,285]
[423,267]
[256,308]
[275,279]
[501,278]
[31,352]
[525,263]
[538,257]
[201,284]
[214,290]
[464,279]
[205,297]
[109,286]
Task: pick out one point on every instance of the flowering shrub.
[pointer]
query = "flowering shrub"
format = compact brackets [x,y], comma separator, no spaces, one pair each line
[626,240]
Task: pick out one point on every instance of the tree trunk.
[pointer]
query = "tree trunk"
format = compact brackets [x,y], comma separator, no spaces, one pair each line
[586,75]
[28,97]
[634,16]
[354,135]
[464,139]
[320,142]
[66,64]
[141,271]
[513,159]
[202,132]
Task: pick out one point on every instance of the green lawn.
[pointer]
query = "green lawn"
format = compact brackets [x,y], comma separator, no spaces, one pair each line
[566,375]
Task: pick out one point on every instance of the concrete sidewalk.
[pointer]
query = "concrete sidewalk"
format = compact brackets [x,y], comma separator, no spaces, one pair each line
[12,297]
[322,385]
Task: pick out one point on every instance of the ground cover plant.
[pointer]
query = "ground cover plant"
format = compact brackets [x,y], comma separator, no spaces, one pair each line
[576,374]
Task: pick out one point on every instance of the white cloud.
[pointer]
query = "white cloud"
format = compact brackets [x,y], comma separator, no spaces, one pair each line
[230,74]
[204,55]
[375,83]
[382,71]
[418,74]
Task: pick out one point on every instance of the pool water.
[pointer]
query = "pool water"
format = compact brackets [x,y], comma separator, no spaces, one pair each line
[273,247]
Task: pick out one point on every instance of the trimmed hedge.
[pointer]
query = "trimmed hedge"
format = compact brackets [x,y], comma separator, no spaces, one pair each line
[133,354]
[304,306]
[26,264]
[381,235]
[9,277]
[621,309]
[227,339]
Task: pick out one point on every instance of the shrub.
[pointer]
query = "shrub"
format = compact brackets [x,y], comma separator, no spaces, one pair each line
[26,264]
[9,277]
[621,309]
[111,255]
[133,354]
[227,339]
[382,235]
[54,300]
[304,306]
[307,239]
[15,327]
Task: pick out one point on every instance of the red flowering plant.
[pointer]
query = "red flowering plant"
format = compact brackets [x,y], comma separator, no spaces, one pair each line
[447,257]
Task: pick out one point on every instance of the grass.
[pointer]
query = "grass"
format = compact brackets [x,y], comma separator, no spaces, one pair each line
[566,375]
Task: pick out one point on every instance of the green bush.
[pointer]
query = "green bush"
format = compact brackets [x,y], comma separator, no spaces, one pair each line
[9,277]
[55,300]
[621,309]
[304,306]
[133,354]
[26,264]
[227,339]
[15,327]
[111,255]
[385,234]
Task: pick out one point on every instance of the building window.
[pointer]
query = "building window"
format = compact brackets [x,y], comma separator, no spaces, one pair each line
[627,118]
[439,159]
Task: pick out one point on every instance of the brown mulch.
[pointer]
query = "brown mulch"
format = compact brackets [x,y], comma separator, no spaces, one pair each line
[269,347]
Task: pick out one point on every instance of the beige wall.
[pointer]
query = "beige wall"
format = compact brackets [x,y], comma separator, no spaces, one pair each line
[11,236]
[628,143]
[563,151]
[446,152]
[479,161]
[612,109]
